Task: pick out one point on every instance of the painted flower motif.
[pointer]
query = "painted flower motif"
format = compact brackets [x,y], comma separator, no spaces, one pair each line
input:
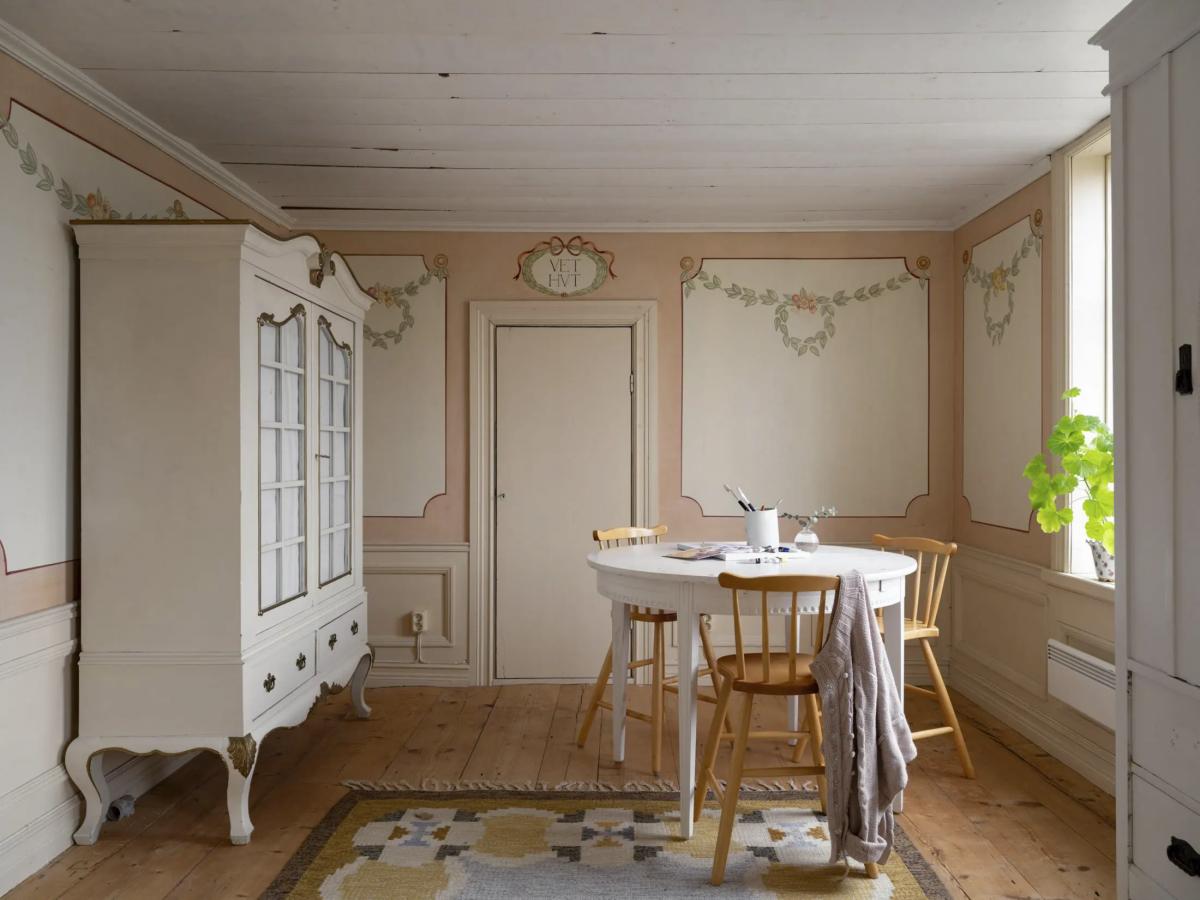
[98,206]
[382,293]
[804,300]
[176,210]
[999,279]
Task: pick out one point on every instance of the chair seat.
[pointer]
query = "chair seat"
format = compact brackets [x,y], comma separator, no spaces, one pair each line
[653,615]
[914,630]
[780,683]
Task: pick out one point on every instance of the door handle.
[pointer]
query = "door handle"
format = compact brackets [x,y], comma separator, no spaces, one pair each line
[1183,375]
[1183,855]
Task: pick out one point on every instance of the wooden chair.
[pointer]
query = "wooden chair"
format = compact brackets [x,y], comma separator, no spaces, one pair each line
[614,537]
[752,675]
[928,582]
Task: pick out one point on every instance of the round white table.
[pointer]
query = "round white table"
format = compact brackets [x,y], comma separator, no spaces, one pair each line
[644,576]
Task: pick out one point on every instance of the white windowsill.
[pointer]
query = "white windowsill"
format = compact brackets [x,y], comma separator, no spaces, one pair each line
[1081,584]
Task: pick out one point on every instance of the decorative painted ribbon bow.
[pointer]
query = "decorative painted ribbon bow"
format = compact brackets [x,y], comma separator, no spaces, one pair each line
[575,246]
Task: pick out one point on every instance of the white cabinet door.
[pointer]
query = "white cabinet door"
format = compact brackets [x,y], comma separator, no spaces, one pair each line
[284,448]
[564,467]
[334,419]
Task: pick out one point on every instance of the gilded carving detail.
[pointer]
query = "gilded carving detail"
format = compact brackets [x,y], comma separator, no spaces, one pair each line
[242,751]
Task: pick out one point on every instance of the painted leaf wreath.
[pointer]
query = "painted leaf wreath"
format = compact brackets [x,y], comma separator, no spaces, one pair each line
[786,305]
[1001,281]
[397,297]
[91,206]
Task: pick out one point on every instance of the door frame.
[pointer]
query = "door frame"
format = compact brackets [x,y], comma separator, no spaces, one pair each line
[485,317]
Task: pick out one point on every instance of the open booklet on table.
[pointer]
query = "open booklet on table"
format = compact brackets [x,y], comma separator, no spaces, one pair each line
[731,551]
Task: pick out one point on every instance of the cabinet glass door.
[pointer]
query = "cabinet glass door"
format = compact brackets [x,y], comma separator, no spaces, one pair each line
[335,407]
[282,443]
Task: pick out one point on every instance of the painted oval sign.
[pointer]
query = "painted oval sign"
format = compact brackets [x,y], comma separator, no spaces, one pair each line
[565,268]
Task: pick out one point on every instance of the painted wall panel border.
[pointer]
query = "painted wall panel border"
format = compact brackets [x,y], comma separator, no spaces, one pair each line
[405,442]
[816,311]
[49,176]
[398,578]
[1025,541]
[1002,370]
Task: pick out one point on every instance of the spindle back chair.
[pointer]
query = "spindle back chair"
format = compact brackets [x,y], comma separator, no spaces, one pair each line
[928,583]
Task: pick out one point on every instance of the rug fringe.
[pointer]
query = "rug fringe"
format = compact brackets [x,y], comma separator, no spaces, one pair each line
[434,784]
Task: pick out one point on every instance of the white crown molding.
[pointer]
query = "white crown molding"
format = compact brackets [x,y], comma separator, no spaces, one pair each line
[1000,194]
[1142,33]
[319,222]
[30,53]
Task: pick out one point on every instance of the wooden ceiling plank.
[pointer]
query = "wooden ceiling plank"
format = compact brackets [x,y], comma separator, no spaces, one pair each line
[213,88]
[516,17]
[620,54]
[618,159]
[303,111]
[294,179]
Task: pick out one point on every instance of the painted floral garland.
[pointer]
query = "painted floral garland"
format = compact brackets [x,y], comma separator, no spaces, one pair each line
[801,300]
[397,296]
[94,205]
[1000,281]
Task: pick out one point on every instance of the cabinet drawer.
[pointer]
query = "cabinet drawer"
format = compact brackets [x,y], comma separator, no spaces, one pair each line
[1165,732]
[342,639]
[1156,819]
[273,675]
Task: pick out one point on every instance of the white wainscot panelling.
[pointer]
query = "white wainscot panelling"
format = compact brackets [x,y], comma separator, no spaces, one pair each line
[404,387]
[1004,612]
[39,808]
[794,371]
[48,176]
[1002,372]
[431,578]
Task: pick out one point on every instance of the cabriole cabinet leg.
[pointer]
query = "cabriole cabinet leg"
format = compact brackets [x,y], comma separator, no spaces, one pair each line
[240,757]
[85,764]
[357,685]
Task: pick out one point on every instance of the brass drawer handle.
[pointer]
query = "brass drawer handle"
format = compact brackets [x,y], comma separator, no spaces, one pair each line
[332,640]
[269,683]
[301,662]
[354,628]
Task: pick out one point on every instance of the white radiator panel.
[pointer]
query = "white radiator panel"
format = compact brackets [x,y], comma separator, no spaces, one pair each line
[1082,681]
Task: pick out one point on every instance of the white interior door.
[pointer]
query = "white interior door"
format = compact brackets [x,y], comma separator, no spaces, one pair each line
[564,467]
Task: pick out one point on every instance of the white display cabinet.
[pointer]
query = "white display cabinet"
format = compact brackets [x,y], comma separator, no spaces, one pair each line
[221,495]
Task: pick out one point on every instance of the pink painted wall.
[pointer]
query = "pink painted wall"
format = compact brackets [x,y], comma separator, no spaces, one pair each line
[481,268]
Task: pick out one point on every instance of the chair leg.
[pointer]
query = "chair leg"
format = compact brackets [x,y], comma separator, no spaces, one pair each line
[711,659]
[872,870]
[597,696]
[815,739]
[656,701]
[732,785]
[948,716]
[712,746]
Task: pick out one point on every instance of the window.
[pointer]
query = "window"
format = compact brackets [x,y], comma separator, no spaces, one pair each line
[281,476]
[1086,169]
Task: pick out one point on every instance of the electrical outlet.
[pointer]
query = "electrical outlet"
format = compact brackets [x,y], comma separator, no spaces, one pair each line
[418,622]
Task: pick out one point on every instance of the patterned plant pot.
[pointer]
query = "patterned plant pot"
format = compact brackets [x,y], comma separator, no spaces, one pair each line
[1105,563]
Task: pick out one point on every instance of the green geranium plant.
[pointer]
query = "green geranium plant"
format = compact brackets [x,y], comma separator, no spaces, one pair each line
[1084,447]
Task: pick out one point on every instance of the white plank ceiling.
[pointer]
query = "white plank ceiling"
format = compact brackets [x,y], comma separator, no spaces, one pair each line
[603,114]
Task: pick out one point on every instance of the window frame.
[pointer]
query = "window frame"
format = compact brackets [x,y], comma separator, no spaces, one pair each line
[1068,555]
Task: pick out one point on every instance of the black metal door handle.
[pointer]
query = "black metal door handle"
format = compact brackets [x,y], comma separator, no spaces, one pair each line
[1184,855]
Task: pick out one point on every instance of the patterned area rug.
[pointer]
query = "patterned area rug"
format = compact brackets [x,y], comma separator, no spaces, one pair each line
[525,844]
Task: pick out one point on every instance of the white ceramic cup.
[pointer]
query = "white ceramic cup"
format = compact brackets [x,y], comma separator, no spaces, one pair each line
[762,527]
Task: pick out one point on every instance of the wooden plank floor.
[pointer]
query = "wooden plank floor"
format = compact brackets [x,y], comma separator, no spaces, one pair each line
[1026,827]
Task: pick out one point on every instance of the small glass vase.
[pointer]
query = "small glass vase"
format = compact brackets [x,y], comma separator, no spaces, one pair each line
[806,539]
